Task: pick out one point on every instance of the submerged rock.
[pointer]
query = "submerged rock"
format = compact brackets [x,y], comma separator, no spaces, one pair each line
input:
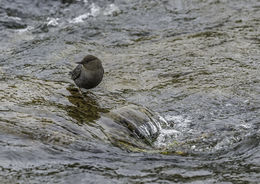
[138,120]
[132,125]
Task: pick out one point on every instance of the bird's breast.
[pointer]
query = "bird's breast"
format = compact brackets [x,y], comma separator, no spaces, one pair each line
[89,79]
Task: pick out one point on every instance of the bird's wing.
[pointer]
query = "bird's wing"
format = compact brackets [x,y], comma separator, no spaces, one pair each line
[76,72]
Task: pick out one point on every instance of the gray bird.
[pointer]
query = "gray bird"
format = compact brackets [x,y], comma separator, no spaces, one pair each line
[89,72]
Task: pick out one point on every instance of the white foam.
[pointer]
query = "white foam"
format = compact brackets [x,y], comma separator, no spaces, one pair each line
[111,9]
[175,125]
[165,137]
[52,21]
[245,125]
[13,18]
[178,121]
[228,105]
[28,28]
[163,120]
[223,143]
[84,1]
[94,11]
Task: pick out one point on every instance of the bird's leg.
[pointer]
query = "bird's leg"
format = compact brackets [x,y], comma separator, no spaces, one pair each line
[80,91]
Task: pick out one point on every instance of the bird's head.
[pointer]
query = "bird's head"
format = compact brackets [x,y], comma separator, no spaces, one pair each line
[91,63]
[87,59]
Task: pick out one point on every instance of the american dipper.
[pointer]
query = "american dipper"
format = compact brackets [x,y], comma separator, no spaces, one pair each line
[89,72]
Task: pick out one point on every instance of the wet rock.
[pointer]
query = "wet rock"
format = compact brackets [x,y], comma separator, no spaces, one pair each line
[132,125]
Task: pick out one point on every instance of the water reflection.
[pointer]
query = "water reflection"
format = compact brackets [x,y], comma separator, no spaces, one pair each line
[86,108]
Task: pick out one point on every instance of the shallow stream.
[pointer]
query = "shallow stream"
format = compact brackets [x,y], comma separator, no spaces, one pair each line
[179,102]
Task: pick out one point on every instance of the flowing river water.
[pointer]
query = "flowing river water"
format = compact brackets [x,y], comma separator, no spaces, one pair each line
[179,102]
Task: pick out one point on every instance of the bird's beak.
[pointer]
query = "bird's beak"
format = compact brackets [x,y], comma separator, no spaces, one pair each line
[79,62]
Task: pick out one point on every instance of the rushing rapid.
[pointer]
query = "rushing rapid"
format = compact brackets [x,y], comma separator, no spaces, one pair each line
[178,103]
